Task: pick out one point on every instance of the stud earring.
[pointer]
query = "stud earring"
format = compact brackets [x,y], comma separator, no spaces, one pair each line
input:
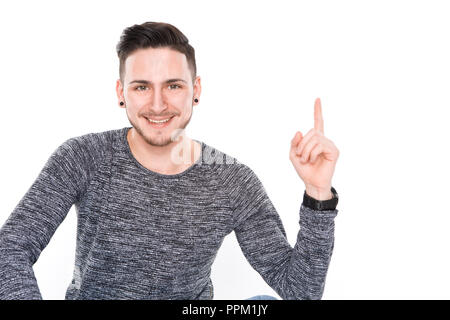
[121,103]
[196,100]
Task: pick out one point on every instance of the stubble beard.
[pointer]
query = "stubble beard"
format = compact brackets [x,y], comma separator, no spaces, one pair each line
[160,140]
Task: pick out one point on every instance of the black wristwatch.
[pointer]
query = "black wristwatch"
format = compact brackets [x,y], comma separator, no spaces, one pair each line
[321,205]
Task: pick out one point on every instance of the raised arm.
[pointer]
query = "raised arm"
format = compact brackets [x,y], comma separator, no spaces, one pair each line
[294,273]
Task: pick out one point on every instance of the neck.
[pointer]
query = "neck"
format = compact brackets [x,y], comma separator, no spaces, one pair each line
[172,158]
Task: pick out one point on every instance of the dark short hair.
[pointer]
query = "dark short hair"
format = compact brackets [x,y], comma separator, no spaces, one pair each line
[154,35]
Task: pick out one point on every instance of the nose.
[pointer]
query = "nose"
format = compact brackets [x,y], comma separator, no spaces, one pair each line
[158,102]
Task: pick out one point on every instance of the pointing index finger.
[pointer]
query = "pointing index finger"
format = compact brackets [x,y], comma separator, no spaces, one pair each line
[318,119]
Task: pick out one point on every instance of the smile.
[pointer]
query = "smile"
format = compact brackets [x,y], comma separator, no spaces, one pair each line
[158,121]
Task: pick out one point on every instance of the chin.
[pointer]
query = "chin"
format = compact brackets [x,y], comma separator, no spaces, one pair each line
[158,140]
[154,139]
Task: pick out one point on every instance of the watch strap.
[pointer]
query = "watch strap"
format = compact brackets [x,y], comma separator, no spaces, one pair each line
[315,204]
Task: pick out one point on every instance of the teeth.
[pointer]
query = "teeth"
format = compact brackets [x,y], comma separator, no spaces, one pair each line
[158,121]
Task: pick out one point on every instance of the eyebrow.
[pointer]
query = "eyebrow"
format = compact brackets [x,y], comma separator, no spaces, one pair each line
[149,82]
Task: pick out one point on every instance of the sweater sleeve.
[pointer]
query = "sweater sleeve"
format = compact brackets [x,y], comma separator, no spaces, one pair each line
[294,273]
[28,229]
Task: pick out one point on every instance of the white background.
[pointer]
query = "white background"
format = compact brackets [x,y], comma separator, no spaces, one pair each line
[381,68]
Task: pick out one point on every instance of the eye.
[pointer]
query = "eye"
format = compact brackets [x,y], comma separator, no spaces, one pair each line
[137,88]
[176,86]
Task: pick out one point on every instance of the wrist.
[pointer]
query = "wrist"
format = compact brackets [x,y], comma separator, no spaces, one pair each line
[319,194]
[322,202]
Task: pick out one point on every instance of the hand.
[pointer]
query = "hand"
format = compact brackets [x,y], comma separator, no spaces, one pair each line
[314,157]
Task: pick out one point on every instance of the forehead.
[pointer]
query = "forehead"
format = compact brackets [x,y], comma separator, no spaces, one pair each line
[156,64]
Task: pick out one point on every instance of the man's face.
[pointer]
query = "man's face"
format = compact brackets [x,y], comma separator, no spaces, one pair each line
[158,86]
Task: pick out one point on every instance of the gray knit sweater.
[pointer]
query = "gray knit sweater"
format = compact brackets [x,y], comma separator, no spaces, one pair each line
[145,235]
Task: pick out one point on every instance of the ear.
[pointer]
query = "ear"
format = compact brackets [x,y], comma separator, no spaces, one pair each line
[197,88]
[119,92]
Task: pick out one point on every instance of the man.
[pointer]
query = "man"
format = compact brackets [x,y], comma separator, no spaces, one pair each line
[154,206]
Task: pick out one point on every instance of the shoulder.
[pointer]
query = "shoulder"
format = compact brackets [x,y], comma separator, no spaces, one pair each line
[216,158]
[231,171]
[94,144]
[84,152]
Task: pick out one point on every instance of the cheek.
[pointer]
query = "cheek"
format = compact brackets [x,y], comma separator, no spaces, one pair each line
[178,99]
[181,102]
[132,111]
[134,99]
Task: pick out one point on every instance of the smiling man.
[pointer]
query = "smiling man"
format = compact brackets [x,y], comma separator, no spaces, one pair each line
[153,205]
[159,108]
